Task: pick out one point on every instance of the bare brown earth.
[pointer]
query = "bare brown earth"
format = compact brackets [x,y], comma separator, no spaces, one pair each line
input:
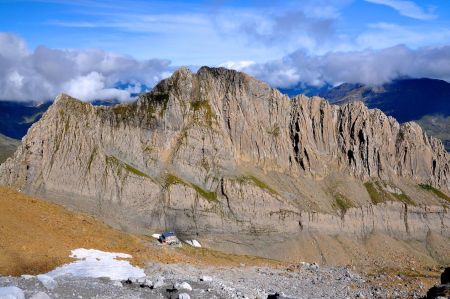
[37,236]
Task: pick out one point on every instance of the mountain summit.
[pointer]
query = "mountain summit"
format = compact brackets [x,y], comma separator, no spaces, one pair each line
[218,152]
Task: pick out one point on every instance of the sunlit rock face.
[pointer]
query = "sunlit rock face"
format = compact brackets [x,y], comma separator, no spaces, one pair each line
[219,152]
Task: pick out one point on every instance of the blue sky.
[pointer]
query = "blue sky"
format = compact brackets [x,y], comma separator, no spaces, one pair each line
[212,32]
[282,42]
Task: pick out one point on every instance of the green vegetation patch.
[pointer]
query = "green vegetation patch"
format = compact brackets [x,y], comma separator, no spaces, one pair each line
[378,194]
[208,195]
[274,131]
[204,163]
[341,202]
[154,101]
[436,192]
[203,105]
[404,198]
[135,171]
[74,105]
[91,159]
[171,179]
[123,111]
[257,182]
[111,160]
[374,194]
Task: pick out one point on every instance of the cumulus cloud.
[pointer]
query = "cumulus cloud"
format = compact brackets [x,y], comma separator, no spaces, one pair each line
[42,73]
[407,8]
[89,74]
[237,65]
[368,66]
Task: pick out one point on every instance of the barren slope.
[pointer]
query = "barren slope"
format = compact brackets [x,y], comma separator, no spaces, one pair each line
[37,236]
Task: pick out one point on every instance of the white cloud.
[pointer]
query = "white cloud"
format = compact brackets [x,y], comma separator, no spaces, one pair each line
[93,74]
[237,65]
[89,74]
[93,86]
[407,8]
[367,66]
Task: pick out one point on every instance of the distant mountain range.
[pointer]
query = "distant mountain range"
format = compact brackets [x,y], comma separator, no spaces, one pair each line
[17,117]
[306,89]
[7,147]
[406,100]
[425,101]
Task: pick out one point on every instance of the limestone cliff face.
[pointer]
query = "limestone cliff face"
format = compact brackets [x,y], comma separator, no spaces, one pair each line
[218,151]
[365,142]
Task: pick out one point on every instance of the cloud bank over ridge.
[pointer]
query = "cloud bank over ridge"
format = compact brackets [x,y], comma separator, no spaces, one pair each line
[42,73]
[88,74]
[372,67]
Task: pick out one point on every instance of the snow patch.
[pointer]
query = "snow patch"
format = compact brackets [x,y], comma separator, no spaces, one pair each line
[96,263]
[26,276]
[11,293]
[47,281]
[194,243]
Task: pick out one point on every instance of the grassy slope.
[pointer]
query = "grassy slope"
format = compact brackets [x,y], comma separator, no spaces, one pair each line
[7,147]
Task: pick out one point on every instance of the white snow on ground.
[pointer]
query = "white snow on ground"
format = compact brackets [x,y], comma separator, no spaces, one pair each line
[194,243]
[47,281]
[11,293]
[96,263]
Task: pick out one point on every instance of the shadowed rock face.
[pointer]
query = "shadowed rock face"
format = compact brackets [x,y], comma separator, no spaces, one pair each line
[220,152]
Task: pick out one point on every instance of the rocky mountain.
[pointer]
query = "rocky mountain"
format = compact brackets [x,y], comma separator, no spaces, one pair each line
[222,156]
[426,101]
[7,147]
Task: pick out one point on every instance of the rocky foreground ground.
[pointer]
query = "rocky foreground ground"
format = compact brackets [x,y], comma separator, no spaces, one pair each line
[185,281]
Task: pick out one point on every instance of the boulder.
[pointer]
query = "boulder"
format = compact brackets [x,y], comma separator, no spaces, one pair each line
[159,282]
[183,286]
[206,278]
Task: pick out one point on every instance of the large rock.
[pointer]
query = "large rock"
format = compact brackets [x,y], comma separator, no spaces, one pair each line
[218,152]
